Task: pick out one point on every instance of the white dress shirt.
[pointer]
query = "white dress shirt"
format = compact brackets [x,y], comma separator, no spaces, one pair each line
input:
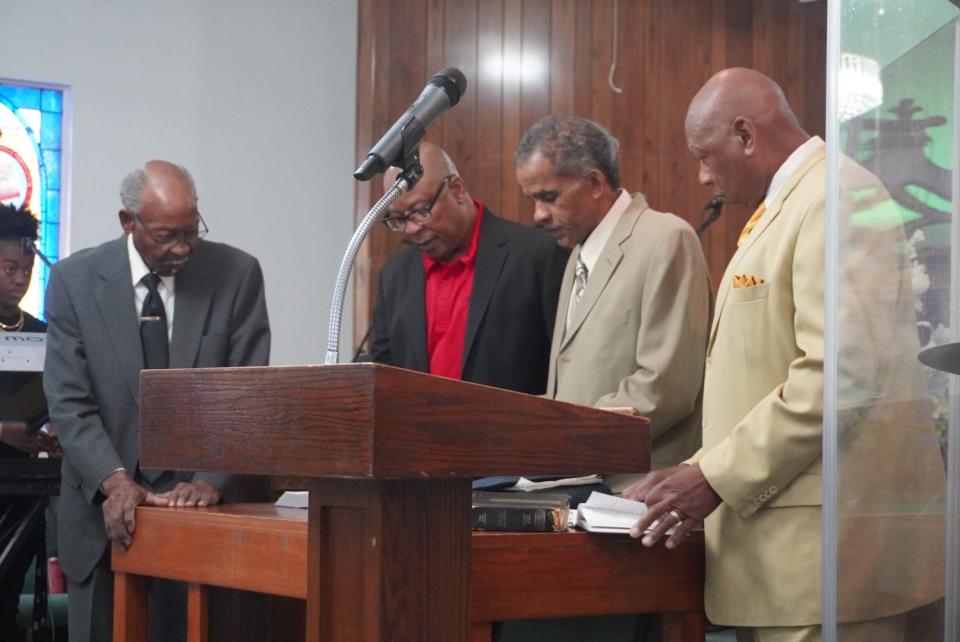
[138,270]
[791,165]
[589,251]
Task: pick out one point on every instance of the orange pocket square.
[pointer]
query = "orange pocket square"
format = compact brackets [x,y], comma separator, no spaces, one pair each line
[746,281]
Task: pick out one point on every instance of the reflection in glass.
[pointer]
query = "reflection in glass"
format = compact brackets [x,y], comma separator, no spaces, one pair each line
[896,162]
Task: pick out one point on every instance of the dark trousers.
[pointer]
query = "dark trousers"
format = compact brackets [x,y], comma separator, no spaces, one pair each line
[91,607]
[11,584]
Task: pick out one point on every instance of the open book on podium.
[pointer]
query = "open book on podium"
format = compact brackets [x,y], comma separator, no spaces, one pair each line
[603,513]
[390,454]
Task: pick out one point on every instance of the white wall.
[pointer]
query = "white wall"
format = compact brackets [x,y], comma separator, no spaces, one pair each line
[257,98]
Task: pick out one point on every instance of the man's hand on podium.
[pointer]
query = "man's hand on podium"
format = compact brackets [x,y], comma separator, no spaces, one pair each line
[679,496]
[189,494]
[123,496]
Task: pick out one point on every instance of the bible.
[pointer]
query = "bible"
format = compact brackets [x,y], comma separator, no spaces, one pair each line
[543,512]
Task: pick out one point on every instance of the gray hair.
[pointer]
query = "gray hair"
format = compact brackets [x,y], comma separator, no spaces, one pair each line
[131,187]
[576,146]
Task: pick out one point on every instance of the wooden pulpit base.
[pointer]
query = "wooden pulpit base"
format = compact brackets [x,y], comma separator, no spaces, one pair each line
[513,576]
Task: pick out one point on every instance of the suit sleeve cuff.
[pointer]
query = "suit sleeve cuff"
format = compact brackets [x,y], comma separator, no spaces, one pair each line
[717,469]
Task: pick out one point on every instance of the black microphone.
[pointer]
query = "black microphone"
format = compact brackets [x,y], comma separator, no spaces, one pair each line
[442,92]
[715,208]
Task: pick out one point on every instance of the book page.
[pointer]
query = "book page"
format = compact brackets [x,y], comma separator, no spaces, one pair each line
[612,502]
[293,499]
[603,513]
[527,485]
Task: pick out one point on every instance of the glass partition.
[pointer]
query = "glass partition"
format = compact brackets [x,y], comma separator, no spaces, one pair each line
[890,423]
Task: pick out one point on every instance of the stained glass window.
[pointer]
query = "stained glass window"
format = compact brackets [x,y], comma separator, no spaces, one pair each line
[31,162]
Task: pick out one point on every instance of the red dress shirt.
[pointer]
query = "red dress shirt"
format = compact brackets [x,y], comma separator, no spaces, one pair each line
[448,288]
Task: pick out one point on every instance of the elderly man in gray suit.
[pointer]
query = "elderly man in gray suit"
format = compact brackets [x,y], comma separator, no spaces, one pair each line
[156,297]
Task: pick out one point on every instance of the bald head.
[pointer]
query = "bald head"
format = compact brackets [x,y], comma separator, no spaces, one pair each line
[741,128]
[437,216]
[160,214]
[435,162]
[740,92]
[168,184]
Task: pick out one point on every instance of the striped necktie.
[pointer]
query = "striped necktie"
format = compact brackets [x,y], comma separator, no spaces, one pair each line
[579,281]
[752,223]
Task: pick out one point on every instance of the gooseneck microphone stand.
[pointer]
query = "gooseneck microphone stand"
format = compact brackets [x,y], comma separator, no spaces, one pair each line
[411,171]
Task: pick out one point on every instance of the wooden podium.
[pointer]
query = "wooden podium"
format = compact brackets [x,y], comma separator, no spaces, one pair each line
[390,454]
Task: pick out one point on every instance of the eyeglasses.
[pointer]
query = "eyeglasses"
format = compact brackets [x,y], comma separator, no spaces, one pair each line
[169,238]
[418,216]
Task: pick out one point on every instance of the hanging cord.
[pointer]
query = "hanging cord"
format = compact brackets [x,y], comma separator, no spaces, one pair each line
[613,57]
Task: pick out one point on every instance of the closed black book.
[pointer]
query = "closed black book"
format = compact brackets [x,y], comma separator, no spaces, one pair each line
[511,511]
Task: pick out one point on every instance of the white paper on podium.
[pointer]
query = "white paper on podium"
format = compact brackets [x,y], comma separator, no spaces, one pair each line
[293,499]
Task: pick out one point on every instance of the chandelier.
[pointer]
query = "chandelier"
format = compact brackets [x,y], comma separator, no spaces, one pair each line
[859,87]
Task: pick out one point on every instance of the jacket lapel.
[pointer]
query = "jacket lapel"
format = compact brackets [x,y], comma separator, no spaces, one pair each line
[560,323]
[416,314]
[491,255]
[115,300]
[606,265]
[193,298]
[771,214]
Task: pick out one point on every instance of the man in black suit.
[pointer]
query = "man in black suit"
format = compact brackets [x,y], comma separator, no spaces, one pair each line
[475,295]
[156,297]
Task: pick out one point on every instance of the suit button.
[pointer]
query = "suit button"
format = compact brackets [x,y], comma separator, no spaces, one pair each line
[773,490]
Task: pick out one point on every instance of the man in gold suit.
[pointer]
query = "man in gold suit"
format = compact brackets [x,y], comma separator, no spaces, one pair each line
[756,482]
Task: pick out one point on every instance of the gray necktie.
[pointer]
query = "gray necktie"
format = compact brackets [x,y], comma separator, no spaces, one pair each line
[579,282]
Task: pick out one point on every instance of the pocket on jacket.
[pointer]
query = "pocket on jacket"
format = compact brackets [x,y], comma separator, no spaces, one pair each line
[620,318]
[745,295]
[747,316]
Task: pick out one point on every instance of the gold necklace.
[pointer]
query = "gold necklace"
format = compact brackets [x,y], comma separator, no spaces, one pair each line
[13,327]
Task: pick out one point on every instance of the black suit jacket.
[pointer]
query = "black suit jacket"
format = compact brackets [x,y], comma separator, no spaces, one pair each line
[512,308]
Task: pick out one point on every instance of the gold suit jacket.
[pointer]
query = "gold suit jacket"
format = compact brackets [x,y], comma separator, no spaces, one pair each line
[762,424]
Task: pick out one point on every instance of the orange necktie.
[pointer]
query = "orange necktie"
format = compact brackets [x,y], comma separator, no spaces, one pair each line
[752,223]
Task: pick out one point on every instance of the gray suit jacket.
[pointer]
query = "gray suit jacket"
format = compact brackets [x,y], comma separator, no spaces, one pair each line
[94,358]
[638,336]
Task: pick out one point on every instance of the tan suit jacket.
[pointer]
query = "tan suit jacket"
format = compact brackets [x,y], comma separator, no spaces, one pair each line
[638,335]
[762,425]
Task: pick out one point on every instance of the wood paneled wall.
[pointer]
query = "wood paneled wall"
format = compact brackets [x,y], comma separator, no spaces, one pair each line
[527,58]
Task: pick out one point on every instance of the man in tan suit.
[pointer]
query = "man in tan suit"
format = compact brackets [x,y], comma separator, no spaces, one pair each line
[632,319]
[634,304]
[757,478]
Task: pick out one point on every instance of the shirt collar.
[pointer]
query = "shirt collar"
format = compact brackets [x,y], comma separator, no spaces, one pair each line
[139,269]
[469,257]
[791,165]
[593,245]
